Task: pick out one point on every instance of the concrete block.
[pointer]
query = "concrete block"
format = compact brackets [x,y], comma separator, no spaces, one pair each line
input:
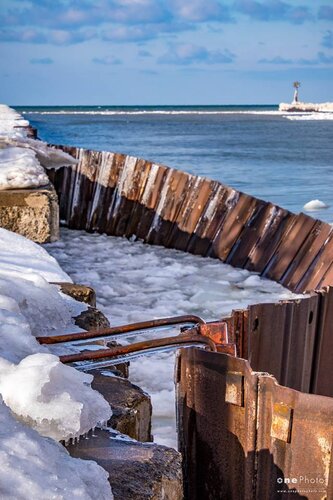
[33,213]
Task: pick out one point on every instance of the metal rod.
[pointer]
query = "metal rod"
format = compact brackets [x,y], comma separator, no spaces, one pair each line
[139,346]
[121,330]
[85,366]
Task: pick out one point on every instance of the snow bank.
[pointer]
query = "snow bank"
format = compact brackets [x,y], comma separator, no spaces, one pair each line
[17,253]
[54,399]
[314,205]
[32,466]
[135,282]
[21,158]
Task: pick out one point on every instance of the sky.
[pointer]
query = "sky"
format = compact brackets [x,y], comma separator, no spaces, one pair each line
[148,52]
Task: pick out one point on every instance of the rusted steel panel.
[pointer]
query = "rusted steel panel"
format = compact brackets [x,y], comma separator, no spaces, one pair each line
[289,245]
[80,183]
[327,278]
[193,205]
[306,254]
[281,340]
[120,206]
[236,330]
[299,352]
[130,192]
[101,183]
[233,225]
[212,218]
[277,223]
[145,175]
[267,337]
[174,191]
[216,412]
[150,198]
[244,436]
[322,379]
[319,267]
[102,206]
[251,235]
[294,443]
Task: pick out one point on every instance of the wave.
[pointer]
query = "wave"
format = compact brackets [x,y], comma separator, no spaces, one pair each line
[153,112]
[309,116]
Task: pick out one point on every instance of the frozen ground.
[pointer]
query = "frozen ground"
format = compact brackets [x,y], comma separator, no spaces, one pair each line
[49,401]
[134,282]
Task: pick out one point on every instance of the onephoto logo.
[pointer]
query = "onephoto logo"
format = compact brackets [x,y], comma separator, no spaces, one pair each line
[315,483]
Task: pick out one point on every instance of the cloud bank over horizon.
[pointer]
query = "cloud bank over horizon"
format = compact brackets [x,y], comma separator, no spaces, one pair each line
[222,41]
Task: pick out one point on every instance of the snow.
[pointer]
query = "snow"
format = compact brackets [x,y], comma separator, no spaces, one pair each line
[11,123]
[52,398]
[17,253]
[42,393]
[135,282]
[22,159]
[19,168]
[314,205]
[33,466]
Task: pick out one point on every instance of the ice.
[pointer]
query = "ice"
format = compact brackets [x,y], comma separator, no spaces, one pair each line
[314,205]
[32,466]
[135,282]
[52,398]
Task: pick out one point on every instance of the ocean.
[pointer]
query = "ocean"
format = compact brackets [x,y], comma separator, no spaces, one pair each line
[283,158]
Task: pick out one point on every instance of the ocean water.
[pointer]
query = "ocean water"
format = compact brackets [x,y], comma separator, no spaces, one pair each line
[284,158]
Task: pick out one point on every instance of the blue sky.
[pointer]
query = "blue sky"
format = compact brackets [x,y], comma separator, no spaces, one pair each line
[164,52]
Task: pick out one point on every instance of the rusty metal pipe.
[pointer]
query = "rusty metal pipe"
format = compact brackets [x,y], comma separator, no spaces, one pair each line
[113,352]
[121,330]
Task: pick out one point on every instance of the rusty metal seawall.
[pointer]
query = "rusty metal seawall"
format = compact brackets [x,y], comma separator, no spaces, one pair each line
[126,196]
[261,427]
[244,437]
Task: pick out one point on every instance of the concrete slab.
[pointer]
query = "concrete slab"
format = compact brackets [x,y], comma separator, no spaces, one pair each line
[33,213]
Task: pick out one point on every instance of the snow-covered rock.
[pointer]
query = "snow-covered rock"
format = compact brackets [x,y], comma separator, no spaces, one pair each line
[54,399]
[22,159]
[42,393]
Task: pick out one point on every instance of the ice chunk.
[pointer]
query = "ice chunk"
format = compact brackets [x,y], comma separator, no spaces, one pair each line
[32,466]
[54,399]
[314,205]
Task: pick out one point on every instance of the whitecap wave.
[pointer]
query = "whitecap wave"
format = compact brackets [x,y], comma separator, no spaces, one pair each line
[309,116]
[152,112]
